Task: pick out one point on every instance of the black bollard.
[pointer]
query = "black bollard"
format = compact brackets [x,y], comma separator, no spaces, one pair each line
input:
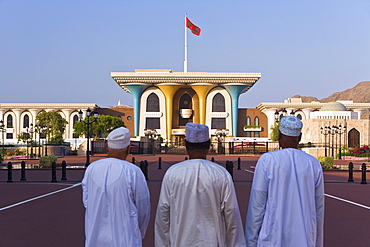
[64,170]
[229,168]
[350,172]
[133,160]
[23,171]
[159,163]
[213,159]
[54,172]
[144,168]
[239,160]
[363,171]
[10,172]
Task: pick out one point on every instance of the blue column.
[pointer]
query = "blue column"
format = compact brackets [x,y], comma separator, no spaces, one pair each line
[235,91]
[136,91]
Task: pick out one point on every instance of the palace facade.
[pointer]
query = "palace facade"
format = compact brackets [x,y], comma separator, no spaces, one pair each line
[164,101]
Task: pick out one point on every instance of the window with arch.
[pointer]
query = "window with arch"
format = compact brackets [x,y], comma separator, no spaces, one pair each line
[185,101]
[299,116]
[353,138]
[248,121]
[9,121]
[256,121]
[26,121]
[152,103]
[75,119]
[218,103]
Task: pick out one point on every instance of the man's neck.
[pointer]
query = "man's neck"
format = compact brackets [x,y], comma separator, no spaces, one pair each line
[120,157]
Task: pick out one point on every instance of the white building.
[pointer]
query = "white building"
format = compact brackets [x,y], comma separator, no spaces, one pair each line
[18,117]
[316,115]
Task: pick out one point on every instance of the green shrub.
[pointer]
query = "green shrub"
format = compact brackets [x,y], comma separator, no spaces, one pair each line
[45,161]
[326,162]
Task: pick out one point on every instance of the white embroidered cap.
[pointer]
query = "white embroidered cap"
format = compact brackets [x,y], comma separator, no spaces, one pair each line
[290,126]
[119,138]
[196,133]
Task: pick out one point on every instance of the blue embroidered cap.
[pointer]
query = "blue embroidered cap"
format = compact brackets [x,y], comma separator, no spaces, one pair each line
[196,133]
[290,126]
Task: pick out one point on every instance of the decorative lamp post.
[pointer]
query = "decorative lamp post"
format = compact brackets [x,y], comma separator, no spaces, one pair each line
[285,112]
[87,122]
[332,131]
[151,134]
[276,115]
[2,129]
[39,130]
[325,132]
[30,130]
[341,130]
[292,113]
[221,134]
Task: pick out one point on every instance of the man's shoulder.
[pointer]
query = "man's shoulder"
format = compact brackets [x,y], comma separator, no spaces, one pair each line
[112,162]
[195,165]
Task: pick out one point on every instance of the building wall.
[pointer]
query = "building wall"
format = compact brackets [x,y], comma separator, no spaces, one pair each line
[126,113]
[311,131]
[18,111]
[243,113]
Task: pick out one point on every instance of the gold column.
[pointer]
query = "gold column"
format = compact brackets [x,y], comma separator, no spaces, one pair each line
[202,91]
[169,91]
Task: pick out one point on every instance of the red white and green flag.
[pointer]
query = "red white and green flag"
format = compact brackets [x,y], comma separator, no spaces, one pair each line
[194,29]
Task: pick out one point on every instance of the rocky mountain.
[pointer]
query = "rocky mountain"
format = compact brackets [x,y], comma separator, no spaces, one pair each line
[306,99]
[359,94]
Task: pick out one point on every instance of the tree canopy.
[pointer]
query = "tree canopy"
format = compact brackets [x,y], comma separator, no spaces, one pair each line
[100,127]
[53,125]
[275,132]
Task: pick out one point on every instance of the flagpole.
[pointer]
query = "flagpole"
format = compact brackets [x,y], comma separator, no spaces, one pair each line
[186,49]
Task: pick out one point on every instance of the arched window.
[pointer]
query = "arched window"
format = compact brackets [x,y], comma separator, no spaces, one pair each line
[218,103]
[185,101]
[299,116]
[26,121]
[353,138]
[152,103]
[75,119]
[256,121]
[9,121]
[248,121]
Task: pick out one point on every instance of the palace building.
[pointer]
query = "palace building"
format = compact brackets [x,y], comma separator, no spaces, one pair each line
[165,101]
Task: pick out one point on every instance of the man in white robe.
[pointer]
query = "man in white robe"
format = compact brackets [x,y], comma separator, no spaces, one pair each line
[197,204]
[116,197]
[286,205]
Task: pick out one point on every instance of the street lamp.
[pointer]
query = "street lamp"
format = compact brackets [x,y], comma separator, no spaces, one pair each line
[39,129]
[276,115]
[88,123]
[325,132]
[151,134]
[2,129]
[332,131]
[221,134]
[285,112]
[30,131]
[341,130]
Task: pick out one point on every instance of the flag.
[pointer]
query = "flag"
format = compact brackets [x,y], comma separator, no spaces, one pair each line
[194,29]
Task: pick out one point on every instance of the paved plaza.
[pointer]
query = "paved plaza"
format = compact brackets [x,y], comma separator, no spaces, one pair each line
[37,212]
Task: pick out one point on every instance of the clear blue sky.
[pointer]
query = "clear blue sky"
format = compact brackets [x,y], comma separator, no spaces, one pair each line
[64,50]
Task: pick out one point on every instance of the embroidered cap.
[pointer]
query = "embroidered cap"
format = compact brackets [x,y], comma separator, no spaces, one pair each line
[290,126]
[119,138]
[196,133]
